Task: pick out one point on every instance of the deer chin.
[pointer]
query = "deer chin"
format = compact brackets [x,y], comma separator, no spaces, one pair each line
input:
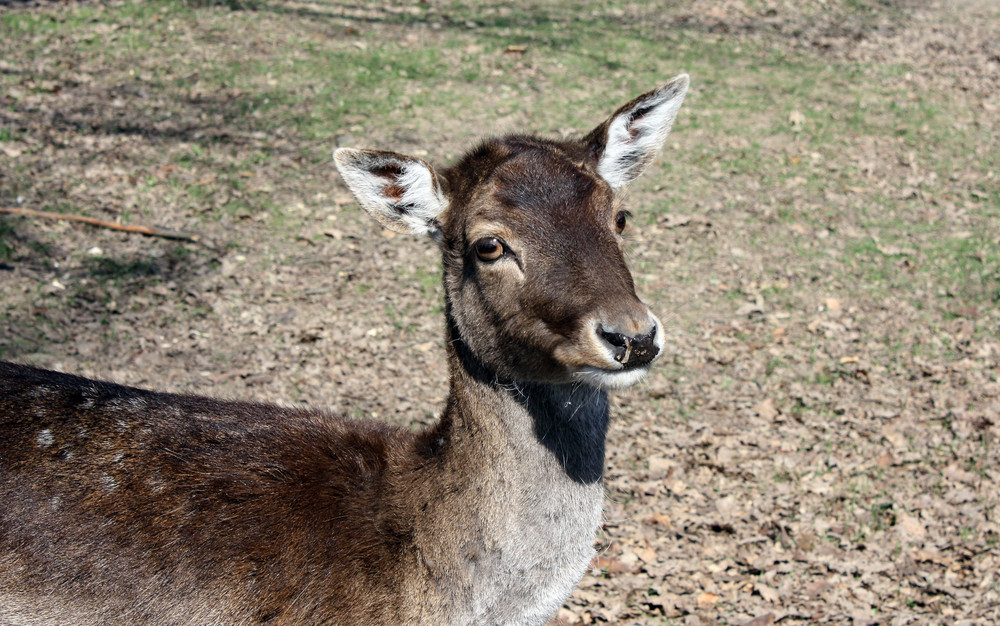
[610,379]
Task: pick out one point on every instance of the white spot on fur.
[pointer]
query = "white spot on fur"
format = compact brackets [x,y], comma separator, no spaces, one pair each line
[41,391]
[108,482]
[90,395]
[44,438]
[155,484]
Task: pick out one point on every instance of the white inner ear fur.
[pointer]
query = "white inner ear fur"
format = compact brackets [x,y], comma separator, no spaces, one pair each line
[414,211]
[422,193]
[632,144]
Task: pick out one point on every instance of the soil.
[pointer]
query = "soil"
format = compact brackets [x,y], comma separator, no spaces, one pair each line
[784,464]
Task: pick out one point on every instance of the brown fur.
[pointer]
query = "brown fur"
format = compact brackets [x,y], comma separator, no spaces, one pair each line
[126,506]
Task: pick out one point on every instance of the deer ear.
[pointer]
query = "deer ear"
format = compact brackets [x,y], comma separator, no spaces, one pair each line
[629,140]
[401,192]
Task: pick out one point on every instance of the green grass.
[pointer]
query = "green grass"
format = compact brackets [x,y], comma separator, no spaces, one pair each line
[965,269]
[20,24]
[306,78]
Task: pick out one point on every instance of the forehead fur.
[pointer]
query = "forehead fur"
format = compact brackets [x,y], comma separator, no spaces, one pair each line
[538,176]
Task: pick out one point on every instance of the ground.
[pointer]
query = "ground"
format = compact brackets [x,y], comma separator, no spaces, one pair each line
[821,237]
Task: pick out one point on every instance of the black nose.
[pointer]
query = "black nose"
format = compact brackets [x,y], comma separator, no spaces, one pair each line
[632,351]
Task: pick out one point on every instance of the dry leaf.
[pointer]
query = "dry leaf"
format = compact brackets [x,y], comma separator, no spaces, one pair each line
[12,150]
[814,590]
[609,564]
[659,519]
[646,555]
[954,472]
[766,409]
[629,559]
[661,465]
[707,599]
[911,527]
[768,593]
[929,555]
[566,617]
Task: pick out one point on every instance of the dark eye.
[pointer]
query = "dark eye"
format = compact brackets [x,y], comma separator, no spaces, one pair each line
[489,249]
[621,221]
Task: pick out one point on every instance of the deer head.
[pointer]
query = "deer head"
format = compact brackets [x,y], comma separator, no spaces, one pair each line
[536,284]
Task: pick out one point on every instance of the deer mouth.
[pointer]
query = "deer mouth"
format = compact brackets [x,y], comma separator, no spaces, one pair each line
[603,378]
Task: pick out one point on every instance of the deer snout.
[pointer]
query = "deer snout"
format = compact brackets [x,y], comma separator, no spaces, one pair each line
[632,350]
[615,355]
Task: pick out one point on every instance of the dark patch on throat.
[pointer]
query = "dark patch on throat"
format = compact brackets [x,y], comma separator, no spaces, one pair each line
[570,420]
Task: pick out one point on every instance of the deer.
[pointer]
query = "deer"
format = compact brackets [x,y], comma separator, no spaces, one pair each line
[126,506]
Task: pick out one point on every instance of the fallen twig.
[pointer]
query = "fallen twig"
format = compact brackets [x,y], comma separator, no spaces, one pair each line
[93,221]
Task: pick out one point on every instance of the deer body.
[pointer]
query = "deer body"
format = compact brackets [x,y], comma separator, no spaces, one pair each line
[153,488]
[126,506]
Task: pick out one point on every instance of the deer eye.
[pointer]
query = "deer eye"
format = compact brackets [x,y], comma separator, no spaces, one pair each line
[621,221]
[489,249]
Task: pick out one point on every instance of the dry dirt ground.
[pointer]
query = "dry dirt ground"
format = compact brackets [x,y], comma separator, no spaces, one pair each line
[810,450]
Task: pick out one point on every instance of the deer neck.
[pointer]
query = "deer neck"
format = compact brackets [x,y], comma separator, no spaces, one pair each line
[519,469]
[561,427]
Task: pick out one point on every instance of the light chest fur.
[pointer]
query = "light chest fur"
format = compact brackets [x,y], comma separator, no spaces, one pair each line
[544,538]
[526,532]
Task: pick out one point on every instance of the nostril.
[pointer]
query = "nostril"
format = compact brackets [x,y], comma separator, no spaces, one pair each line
[618,342]
[631,351]
[616,339]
